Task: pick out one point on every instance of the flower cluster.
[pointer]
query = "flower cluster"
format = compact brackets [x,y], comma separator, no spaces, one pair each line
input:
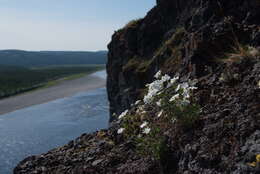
[183,93]
[181,97]
[156,86]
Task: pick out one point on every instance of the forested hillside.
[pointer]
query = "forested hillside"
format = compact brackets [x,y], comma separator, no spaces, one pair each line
[46,58]
[15,80]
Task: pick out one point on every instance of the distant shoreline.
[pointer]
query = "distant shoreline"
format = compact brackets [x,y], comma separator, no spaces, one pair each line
[64,88]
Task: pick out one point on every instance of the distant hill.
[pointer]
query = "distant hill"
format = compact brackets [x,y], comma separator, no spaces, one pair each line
[46,58]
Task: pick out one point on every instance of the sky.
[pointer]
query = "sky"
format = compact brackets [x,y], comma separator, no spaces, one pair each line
[85,25]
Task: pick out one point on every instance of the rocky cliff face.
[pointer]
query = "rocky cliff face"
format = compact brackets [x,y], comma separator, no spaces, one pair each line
[213,41]
[182,36]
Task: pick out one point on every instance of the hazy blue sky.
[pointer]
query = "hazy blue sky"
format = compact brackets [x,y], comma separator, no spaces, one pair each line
[65,24]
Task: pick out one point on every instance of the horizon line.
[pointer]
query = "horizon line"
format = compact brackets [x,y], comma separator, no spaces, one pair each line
[53,50]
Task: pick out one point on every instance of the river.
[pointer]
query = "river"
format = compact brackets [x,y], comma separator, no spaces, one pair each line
[39,128]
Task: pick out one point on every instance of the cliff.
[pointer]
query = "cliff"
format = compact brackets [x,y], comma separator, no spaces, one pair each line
[176,36]
[199,112]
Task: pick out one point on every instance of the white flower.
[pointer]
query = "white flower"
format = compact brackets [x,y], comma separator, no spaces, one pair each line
[185,85]
[123,114]
[147,130]
[165,78]
[158,74]
[144,124]
[153,89]
[148,98]
[137,102]
[175,97]
[160,114]
[174,79]
[120,131]
[178,88]
[193,88]
[159,103]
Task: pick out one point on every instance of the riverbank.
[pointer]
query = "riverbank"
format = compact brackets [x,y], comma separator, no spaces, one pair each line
[64,88]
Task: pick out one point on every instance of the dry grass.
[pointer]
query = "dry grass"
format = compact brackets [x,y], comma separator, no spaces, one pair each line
[173,42]
[241,52]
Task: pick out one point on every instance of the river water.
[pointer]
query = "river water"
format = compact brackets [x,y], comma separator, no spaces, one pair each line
[39,128]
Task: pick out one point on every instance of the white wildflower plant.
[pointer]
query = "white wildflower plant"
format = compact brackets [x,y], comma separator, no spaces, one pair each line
[168,102]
